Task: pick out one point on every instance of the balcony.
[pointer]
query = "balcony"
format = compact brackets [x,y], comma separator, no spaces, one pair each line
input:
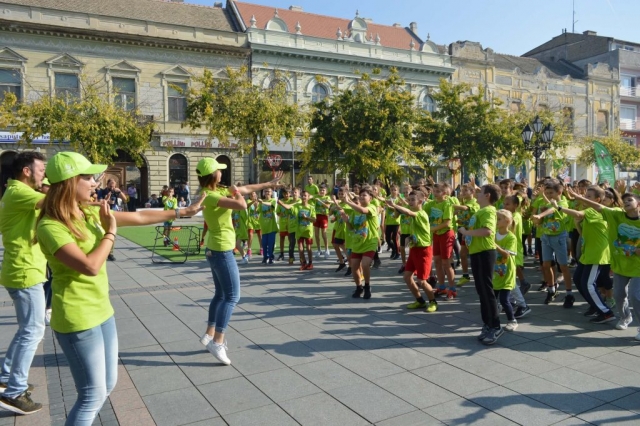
[630,91]
[629,124]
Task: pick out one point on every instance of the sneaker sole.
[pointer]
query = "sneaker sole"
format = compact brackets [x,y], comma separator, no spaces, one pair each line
[604,321]
[219,360]
[17,410]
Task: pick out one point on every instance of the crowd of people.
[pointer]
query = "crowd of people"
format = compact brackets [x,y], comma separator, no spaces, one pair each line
[55,234]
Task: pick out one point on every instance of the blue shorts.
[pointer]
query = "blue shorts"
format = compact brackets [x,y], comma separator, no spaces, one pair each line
[555,244]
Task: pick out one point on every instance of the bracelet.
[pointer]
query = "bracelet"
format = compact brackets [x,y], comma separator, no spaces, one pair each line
[177,213]
[559,208]
[109,239]
[109,233]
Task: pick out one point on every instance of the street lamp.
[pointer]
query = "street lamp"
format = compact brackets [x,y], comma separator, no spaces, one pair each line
[541,143]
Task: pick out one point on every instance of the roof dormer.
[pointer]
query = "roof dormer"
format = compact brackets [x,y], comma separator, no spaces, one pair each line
[276,24]
[358,29]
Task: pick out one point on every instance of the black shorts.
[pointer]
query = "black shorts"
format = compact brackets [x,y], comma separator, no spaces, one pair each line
[403,238]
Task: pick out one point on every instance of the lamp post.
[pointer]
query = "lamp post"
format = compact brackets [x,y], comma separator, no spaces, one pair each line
[542,141]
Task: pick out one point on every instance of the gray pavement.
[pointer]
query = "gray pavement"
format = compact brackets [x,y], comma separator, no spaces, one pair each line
[304,352]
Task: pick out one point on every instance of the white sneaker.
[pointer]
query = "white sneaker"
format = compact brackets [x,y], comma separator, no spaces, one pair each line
[47,317]
[219,351]
[319,253]
[326,255]
[511,325]
[245,260]
[205,339]
[623,324]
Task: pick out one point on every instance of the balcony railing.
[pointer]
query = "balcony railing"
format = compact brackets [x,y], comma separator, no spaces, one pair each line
[629,91]
[629,124]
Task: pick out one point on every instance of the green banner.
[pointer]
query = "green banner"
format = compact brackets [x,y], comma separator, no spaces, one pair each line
[606,171]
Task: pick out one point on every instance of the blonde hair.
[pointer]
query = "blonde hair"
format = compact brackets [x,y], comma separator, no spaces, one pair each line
[59,205]
[506,214]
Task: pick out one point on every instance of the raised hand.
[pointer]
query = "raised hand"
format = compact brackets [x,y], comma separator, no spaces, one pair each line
[107,220]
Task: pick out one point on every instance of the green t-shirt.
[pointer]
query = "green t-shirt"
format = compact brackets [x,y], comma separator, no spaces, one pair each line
[440,212]
[504,270]
[555,223]
[391,215]
[339,225]
[254,216]
[79,302]
[348,229]
[382,192]
[624,260]
[283,216]
[305,216]
[535,209]
[292,219]
[595,239]
[170,204]
[365,230]
[221,236]
[239,218]
[464,216]
[267,216]
[517,230]
[420,230]
[405,224]
[500,203]
[483,218]
[312,189]
[23,265]
[320,208]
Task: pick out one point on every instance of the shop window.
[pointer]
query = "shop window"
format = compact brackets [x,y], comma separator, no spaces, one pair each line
[178,170]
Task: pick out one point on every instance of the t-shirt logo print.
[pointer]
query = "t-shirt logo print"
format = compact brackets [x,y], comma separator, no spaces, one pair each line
[467,238]
[303,217]
[360,225]
[267,211]
[435,217]
[628,240]
[500,267]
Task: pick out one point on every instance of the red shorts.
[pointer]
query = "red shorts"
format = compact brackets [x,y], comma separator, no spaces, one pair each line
[256,230]
[419,262]
[369,254]
[443,244]
[284,233]
[322,221]
[308,241]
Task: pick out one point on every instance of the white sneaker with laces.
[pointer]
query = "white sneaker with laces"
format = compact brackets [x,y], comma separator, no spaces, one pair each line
[47,316]
[205,339]
[219,351]
[623,324]
[511,325]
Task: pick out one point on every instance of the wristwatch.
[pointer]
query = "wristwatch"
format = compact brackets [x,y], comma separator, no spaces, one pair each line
[178,213]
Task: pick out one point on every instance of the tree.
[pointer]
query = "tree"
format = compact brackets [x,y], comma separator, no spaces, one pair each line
[468,127]
[90,124]
[368,130]
[622,153]
[233,107]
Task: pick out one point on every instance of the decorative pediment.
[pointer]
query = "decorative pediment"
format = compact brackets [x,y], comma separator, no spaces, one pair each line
[8,55]
[429,46]
[177,71]
[64,61]
[276,24]
[541,72]
[357,29]
[123,66]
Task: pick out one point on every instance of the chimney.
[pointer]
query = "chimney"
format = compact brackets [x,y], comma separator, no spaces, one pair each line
[397,25]
[590,33]
[296,8]
[414,27]
[218,4]
[368,20]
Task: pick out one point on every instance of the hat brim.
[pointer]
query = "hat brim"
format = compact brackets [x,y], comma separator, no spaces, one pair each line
[94,169]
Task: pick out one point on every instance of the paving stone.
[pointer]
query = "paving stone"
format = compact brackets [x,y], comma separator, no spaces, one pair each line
[464,412]
[592,386]
[610,414]
[415,418]
[270,415]
[182,406]
[254,361]
[282,385]
[371,402]
[630,402]
[453,379]
[327,374]
[149,381]
[234,395]
[415,390]
[487,369]
[368,365]
[321,410]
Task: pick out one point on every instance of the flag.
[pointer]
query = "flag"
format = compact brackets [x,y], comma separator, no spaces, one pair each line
[606,171]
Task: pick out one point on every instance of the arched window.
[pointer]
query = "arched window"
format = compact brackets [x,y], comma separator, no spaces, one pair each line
[178,170]
[319,92]
[225,179]
[428,104]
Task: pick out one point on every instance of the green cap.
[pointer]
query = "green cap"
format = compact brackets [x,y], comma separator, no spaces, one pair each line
[45,181]
[206,166]
[65,165]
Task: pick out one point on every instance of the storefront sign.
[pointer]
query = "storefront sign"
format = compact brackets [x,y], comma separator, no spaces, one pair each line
[193,142]
[10,137]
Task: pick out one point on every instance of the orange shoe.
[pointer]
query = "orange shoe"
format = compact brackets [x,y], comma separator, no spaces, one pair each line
[452,294]
[303,266]
[309,267]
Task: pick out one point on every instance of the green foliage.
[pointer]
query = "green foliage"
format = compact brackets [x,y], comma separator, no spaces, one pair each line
[91,124]
[622,153]
[233,108]
[368,130]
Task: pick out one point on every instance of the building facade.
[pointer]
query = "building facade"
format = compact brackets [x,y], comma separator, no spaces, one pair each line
[141,54]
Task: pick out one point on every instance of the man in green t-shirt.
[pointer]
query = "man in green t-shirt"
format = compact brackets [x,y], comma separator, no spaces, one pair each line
[311,187]
[480,238]
[23,274]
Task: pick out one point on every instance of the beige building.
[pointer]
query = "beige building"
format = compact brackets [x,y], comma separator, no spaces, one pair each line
[587,95]
[140,50]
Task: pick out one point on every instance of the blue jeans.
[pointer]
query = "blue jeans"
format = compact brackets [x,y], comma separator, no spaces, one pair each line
[555,244]
[268,244]
[226,279]
[29,305]
[93,361]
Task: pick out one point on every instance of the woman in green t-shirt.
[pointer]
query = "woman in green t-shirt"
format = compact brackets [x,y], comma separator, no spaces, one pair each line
[218,205]
[76,239]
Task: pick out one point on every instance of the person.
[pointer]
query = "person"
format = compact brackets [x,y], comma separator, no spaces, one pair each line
[292,224]
[218,206]
[239,218]
[76,239]
[305,215]
[511,203]
[153,202]
[480,239]
[504,270]
[132,192]
[170,203]
[593,266]
[113,195]
[392,224]
[182,202]
[23,274]
[322,203]
[163,193]
[339,229]
[465,210]
[47,285]
[311,187]
[440,212]
[506,190]
[184,192]
[405,223]
[268,225]
[254,223]
[554,241]
[420,252]
[283,220]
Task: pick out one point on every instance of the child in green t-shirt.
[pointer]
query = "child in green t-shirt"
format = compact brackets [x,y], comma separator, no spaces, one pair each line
[465,210]
[392,224]
[305,214]
[441,215]
[405,224]
[283,221]
[504,270]
[480,239]
[322,202]
[339,229]
[512,204]
[239,219]
[170,203]
[420,253]
[253,224]
[268,225]
[292,223]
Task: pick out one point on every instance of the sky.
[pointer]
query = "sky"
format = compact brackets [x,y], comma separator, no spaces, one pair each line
[507,26]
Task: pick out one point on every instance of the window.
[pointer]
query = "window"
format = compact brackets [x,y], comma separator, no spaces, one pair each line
[177,100]
[567,118]
[10,82]
[125,93]
[514,107]
[178,170]
[628,117]
[319,92]
[67,86]
[428,104]
[602,123]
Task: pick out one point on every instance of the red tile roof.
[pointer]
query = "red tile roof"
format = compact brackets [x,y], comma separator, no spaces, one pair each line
[325,26]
